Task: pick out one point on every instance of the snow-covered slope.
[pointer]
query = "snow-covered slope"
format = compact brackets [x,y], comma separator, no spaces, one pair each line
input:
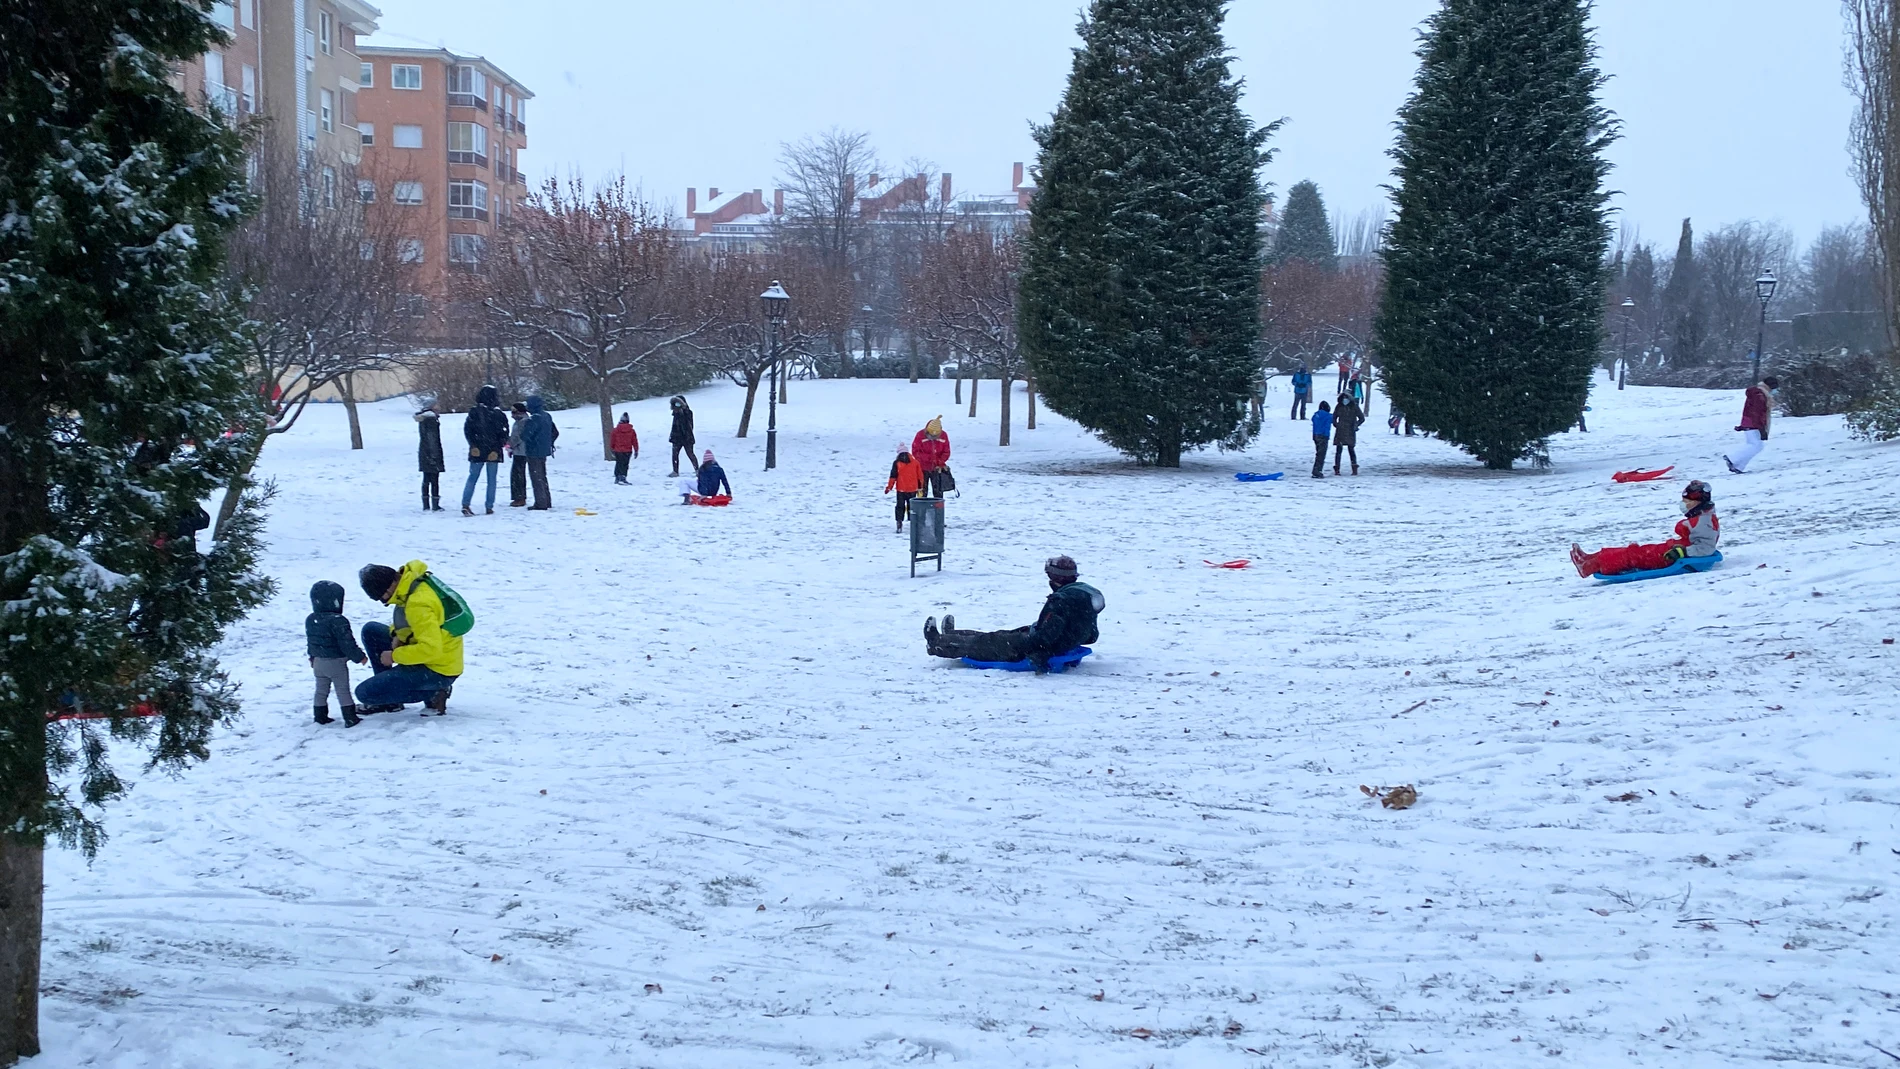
[703,800]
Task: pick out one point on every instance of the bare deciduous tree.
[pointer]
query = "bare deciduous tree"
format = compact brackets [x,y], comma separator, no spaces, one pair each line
[595,282]
[325,291]
[737,344]
[968,287]
[1873,73]
[1312,315]
[821,176]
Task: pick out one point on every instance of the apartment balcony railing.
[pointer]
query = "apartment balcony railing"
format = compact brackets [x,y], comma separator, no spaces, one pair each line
[468,100]
[468,211]
[517,125]
[476,158]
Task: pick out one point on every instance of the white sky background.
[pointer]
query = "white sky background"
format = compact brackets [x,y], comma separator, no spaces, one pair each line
[1731,109]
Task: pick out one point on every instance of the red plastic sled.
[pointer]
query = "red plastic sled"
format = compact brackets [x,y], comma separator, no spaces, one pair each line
[69,713]
[1641,476]
[714,501]
[1228,564]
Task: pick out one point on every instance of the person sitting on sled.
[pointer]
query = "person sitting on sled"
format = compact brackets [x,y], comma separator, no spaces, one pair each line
[1696,536]
[1067,621]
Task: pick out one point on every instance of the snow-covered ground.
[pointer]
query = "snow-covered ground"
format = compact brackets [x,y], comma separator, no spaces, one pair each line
[702,800]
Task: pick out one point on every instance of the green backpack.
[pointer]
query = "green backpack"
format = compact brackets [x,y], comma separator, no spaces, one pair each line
[457,618]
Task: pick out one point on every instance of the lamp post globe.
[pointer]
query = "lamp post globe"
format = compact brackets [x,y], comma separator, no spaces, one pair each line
[1765,292]
[1623,355]
[775,301]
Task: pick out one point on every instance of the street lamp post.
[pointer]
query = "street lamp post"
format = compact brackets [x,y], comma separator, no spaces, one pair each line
[1765,292]
[1623,357]
[775,300]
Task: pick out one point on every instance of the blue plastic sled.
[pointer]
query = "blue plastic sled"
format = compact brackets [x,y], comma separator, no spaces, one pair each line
[1061,662]
[1686,564]
[1256,477]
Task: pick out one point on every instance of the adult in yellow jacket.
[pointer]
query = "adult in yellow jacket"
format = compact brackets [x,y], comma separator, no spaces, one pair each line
[414,660]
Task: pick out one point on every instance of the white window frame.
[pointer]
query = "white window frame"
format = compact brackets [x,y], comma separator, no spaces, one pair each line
[409,251]
[247,13]
[476,206]
[366,75]
[326,31]
[365,191]
[328,186]
[399,132]
[479,242]
[398,71]
[224,14]
[408,194]
[366,133]
[249,88]
[326,110]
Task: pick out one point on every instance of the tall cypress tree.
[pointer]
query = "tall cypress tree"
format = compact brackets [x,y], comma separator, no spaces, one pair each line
[122,383]
[1305,232]
[1493,307]
[1685,303]
[1140,292]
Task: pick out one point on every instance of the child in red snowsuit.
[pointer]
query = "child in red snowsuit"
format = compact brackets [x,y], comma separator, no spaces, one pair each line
[907,478]
[1696,536]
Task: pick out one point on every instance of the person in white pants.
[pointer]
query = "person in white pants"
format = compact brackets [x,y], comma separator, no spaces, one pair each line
[1757,411]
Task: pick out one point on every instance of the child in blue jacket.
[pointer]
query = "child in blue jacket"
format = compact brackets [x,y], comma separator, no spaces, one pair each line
[1322,436]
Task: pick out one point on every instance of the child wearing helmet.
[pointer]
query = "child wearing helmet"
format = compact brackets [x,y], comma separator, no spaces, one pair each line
[1697,534]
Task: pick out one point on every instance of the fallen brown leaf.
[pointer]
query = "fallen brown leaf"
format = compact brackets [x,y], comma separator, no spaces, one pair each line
[494,957]
[1099,996]
[1400,798]
[1141,1033]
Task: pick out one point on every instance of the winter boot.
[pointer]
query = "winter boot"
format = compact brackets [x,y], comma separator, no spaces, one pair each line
[350,719]
[323,714]
[425,501]
[1585,563]
[466,511]
[437,704]
[949,622]
[931,634]
[1732,469]
[1355,469]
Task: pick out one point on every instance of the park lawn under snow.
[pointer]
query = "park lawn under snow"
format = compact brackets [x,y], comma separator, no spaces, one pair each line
[703,800]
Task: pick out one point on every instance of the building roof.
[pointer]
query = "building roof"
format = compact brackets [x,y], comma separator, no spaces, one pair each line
[446,56]
[358,15]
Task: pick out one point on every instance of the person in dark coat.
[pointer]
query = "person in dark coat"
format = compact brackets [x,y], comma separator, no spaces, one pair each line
[429,458]
[1347,419]
[518,465]
[1068,620]
[331,647]
[486,429]
[538,435]
[682,434]
[712,477]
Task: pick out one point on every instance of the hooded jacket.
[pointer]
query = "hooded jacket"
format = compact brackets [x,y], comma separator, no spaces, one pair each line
[712,478]
[538,431]
[486,427]
[1302,383]
[1067,620]
[682,423]
[429,445]
[1346,422]
[907,475]
[624,439]
[1755,410]
[326,630]
[421,639]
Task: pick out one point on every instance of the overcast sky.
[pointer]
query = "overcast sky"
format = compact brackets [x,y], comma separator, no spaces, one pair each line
[1731,109]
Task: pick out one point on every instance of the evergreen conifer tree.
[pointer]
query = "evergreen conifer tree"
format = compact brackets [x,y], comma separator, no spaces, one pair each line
[122,382]
[1492,315]
[1685,303]
[1305,232]
[1140,293]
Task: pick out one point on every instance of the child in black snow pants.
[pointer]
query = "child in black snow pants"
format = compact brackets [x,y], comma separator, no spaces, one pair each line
[332,647]
[1322,436]
[429,458]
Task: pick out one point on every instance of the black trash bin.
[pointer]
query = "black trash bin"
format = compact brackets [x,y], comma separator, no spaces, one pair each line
[926,532]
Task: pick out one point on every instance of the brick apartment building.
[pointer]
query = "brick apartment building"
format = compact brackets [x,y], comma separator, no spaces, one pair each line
[293,64]
[441,137]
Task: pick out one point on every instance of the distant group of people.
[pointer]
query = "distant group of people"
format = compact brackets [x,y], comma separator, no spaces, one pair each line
[525,435]
[923,470]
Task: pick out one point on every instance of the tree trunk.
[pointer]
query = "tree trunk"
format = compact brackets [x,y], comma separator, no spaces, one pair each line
[605,398]
[1031,380]
[868,353]
[752,376]
[1005,382]
[234,491]
[841,344]
[913,356]
[1169,455]
[974,379]
[784,379]
[347,387]
[22,895]
[959,397]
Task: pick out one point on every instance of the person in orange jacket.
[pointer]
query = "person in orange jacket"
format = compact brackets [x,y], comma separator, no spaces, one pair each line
[907,478]
[624,444]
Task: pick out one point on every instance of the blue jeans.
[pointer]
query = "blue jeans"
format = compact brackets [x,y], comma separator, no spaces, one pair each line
[475,472]
[394,684]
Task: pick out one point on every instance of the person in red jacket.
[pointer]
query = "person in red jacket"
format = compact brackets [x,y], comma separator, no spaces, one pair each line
[1697,534]
[1757,410]
[907,478]
[931,447]
[624,443]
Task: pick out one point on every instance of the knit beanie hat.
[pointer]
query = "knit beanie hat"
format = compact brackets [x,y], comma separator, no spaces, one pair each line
[934,428]
[376,580]
[707,459]
[1062,568]
[624,418]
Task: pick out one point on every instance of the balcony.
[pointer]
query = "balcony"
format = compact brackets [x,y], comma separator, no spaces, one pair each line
[468,211]
[468,100]
[476,158]
[517,125]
